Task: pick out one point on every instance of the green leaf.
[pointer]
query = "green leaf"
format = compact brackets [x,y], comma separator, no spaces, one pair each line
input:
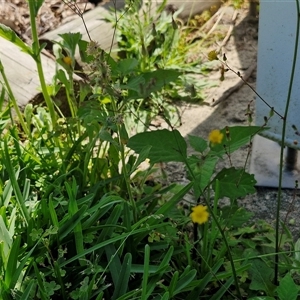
[238,137]
[70,41]
[27,293]
[114,262]
[236,217]
[196,292]
[8,34]
[287,289]
[157,79]
[165,145]
[146,83]
[37,6]
[235,183]
[223,289]
[126,66]
[203,169]
[124,275]
[67,226]
[198,143]
[146,271]
[173,283]
[12,262]
[184,280]
[261,277]
[262,298]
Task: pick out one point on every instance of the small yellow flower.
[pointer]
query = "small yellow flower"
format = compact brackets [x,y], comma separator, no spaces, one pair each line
[199,214]
[215,136]
[67,60]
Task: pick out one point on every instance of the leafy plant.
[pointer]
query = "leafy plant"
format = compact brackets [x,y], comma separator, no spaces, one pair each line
[80,218]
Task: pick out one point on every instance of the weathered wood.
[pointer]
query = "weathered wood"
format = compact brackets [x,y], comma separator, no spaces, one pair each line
[21,71]
[99,30]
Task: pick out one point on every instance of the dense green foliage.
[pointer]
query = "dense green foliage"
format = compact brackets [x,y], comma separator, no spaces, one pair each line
[79,217]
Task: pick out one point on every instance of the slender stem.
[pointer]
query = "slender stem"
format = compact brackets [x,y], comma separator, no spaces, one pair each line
[125,172]
[37,58]
[211,211]
[13,100]
[277,241]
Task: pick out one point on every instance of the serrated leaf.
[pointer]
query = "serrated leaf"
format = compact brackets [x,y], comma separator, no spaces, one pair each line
[127,66]
[287,288]
[198,143]
[235,183]
[8,34]
[165,145]
[237,217]
[261,277]
[146,83]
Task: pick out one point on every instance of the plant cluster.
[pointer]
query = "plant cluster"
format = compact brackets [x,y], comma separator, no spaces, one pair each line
[79,218]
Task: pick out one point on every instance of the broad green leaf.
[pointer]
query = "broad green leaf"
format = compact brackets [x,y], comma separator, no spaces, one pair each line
[143,155]
[238,137]
[134,83]
[157,79]
[8,34]
[235,183]
[236,216]
[261,277]
[165,145]
[203,169]
[146,83]
[126,66]
[70,41]
[198,143]
[287,288]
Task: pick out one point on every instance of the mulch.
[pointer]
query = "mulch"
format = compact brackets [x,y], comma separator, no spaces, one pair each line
[52,14]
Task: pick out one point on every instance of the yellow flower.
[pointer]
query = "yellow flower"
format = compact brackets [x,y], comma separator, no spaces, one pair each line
[199,214]
[215,136]
[67,60]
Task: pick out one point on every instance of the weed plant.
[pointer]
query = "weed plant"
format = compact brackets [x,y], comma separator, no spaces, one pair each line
[79,218]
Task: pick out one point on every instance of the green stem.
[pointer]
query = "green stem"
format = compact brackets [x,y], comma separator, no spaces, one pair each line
[37,58]
[125,172]
[277,241]
[14,101]
[211,211]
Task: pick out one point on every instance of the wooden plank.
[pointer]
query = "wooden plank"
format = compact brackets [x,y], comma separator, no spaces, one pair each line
[21,71]
[99,30]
